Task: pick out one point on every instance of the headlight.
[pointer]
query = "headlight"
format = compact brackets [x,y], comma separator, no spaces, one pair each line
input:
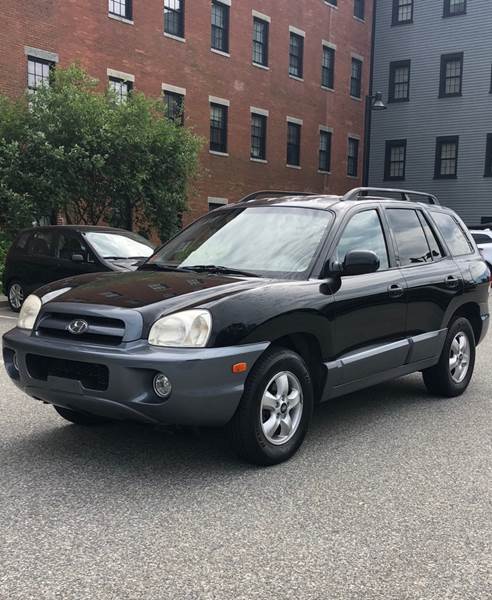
[187,329]
[29,312]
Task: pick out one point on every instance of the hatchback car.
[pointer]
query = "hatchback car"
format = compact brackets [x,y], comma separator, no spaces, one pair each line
[257,312]
[42,255]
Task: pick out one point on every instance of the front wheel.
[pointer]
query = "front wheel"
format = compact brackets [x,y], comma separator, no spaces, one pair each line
[274,414]
[16,295]
[80,418]
[452,374]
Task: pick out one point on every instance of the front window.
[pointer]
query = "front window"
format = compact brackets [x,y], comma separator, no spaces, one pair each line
[296,55]
[174,17]
[120,88]
[174,107]
[399,88]
[260,42]
[453,8]
[451,75]
[363,232]
[38,73]
[353,157]
[356,78]
[268,241]
[218,128]
[293,144]
[258,136]
[117,246]
[402,12]
[120,8]
[220,26]
[328,68]
[446,166]
[395,160]
[359,9]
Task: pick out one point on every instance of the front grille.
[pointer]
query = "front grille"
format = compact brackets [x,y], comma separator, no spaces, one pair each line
[91,376]
[101,330]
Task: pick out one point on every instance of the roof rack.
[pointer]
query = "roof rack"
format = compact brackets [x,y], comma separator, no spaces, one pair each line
[272,193]
[361,192]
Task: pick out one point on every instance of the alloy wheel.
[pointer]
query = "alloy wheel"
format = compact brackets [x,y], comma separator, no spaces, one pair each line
[459,357]
[16,296]
[281,408]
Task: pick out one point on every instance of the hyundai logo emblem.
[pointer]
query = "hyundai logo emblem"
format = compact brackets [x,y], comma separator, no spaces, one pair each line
[78,327]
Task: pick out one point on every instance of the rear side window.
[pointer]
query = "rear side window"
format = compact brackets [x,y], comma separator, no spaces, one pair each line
[40,244]
[409,236]
[435,247]
[20,244]
[363,232]
[452,233]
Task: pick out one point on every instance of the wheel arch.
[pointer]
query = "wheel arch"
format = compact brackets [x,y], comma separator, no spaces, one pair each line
[471,311]
[308,347]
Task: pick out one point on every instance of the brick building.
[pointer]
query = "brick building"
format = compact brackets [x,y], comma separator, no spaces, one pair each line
[275,87]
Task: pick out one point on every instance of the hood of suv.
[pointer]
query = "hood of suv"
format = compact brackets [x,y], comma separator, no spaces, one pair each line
[139,289]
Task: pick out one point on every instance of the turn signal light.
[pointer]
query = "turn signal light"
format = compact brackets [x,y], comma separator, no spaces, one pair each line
[240,367]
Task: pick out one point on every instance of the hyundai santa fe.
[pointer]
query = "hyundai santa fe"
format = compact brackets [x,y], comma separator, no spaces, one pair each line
[258,311]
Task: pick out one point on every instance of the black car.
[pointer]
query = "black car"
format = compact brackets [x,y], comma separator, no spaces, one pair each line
[42,255]
[258,311]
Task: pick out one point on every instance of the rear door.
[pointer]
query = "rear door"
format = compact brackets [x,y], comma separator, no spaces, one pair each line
[432,277]
[370,310]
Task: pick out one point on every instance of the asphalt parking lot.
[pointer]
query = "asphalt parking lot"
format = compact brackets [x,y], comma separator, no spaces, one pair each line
[390,498]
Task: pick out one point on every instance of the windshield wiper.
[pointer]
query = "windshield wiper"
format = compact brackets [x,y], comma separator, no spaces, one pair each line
[221,270]
[162,267]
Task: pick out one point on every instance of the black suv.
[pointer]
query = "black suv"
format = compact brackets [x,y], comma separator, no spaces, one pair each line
[42,255]
[256,312]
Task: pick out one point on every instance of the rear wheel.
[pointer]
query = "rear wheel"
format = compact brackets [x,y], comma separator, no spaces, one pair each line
[80,418]
[273,417]
[452,374]
[15,295]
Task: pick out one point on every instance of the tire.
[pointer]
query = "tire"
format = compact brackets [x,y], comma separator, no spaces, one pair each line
[279,372]
[16,295]
[459,348]
[80,418]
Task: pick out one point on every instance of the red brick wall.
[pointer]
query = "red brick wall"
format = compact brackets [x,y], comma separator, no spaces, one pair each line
[82,31]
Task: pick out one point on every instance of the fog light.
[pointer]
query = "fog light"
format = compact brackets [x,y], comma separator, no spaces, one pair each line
[15,362]
[162,386]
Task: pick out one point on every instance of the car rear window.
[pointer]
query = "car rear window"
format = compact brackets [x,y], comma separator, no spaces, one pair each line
[409,236]
[453,234]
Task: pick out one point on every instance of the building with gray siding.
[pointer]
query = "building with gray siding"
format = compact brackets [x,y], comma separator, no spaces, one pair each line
[433,61]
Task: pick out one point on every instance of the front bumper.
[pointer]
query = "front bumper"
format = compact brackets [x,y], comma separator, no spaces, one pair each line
[205,391]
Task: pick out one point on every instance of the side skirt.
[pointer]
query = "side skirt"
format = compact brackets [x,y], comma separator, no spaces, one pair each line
[382,363]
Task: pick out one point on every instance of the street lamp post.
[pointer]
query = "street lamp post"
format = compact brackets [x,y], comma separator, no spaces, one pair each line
[374,102]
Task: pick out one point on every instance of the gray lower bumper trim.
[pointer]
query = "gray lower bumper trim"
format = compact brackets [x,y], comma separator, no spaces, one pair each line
[205,391]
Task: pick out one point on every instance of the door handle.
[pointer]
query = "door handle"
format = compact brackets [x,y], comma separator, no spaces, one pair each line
[395,291]
[452,282]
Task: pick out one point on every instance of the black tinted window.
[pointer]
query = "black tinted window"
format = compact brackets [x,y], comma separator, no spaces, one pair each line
[363,232]
[431,238]
[20,244]
[481,238]
[452,234]
[409,235]
[40,244]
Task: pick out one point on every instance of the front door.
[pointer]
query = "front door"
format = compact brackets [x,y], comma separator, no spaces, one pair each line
[370,310]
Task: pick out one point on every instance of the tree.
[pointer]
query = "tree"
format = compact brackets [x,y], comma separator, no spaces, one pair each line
[71,149]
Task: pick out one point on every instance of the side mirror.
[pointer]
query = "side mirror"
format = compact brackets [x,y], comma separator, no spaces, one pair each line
[78,258]
[360,262]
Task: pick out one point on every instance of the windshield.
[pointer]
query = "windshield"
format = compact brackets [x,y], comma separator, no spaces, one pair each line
[116,245]
[267,241]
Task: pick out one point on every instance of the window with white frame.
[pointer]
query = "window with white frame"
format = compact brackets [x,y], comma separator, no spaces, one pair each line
[38,72]
[120,8]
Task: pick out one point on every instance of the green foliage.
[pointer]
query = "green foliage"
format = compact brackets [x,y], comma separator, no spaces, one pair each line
[73,150]
[4,246]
